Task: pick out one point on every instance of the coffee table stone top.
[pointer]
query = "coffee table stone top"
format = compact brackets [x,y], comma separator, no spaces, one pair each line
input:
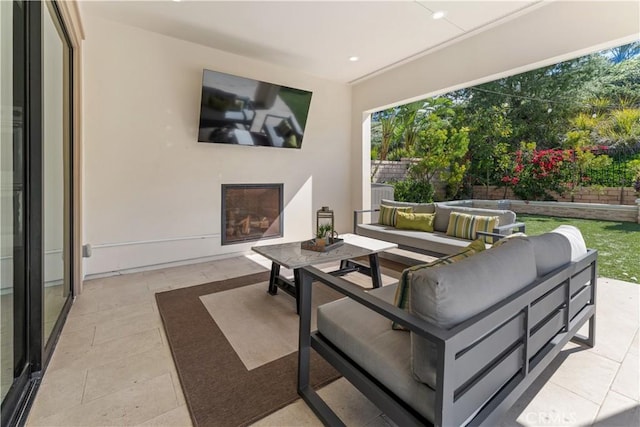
[291,255]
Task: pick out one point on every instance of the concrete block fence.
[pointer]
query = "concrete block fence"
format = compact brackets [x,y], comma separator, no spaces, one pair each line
[389,171]
[602,195]
[599,211]
[604,203]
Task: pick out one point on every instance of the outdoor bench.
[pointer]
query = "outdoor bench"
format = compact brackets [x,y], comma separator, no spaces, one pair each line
[436,242]
[480,331]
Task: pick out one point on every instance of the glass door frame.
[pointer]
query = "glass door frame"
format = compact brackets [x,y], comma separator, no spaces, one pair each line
[29,307]
[68,248]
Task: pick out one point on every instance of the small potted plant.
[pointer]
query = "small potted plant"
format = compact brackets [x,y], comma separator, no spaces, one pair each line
[322,234]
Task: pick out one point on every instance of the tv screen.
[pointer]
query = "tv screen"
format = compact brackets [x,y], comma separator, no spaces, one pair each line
[241,111]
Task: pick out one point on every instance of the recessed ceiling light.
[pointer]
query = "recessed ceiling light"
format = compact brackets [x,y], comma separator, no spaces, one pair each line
[177,0]
[353,58]
[439,14]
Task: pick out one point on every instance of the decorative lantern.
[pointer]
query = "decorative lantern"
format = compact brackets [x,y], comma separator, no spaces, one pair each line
[325,223]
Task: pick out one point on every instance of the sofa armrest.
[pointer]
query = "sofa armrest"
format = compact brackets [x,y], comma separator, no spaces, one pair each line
[509,228]
[356,215]
[358,294]
[503,231]
[496,236]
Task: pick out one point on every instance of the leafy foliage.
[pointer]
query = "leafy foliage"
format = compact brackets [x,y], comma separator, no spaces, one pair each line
[581,153]
[622,127]
[624,52]
[537,174]
[573,113]
[411,190]
[489,134]
[440,146]
[618,173]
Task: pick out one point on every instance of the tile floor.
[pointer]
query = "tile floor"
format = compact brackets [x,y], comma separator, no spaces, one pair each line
[112,365]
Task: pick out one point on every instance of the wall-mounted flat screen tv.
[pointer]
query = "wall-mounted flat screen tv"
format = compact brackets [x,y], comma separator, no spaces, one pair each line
[241,111]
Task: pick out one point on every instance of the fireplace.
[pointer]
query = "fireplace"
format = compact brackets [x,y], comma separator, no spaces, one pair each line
[251,212]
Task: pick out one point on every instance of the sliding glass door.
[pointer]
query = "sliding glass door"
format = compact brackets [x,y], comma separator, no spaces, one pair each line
[13,320]
[56,139]
[36,257]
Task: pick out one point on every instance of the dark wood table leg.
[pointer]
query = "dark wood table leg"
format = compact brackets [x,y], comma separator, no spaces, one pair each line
[273,278]
[374,265]
[296,281]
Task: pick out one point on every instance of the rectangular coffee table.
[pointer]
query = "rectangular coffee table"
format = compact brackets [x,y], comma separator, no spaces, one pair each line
[292,256]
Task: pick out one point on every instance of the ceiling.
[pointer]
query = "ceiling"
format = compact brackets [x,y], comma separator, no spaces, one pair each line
[315,37]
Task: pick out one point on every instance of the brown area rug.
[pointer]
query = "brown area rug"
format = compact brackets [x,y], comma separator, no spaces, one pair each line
[218,388]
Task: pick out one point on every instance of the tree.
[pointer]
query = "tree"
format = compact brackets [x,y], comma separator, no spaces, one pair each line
[579,143]
[441,146]
[621,128]
[411,123]
[489,133]
[618,84]
[624,52]
[539,103]
[386,132]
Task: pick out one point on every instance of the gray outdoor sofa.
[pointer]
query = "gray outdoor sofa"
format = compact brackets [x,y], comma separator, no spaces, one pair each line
[436,242]
[482,330]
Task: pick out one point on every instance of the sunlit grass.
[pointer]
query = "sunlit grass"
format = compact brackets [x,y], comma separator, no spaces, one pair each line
[618,243]
[298,102]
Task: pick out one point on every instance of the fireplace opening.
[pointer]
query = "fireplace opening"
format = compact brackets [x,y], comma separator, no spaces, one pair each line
[251,212]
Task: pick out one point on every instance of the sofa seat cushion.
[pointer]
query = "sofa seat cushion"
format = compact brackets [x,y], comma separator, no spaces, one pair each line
[435,242]
[451,294]
[505,217]
[367,338]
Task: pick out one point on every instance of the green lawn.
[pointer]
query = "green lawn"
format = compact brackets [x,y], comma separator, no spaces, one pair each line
[298,101]
[618,243]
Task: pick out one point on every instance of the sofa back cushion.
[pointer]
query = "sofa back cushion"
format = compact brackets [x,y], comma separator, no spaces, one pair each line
[443,211]
[552,250]
[557,248]
[403,291]
[451,294]
[417,207]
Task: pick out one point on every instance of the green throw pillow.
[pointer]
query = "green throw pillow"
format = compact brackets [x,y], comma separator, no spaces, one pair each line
[219,102]
[291,141]
[415,221]
[283,128]
[388,214]
[402,298]
[466,226]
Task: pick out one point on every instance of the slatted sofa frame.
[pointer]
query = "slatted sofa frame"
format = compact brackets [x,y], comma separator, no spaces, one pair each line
[482,367]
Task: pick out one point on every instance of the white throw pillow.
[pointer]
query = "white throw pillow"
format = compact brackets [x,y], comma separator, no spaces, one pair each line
[573,234]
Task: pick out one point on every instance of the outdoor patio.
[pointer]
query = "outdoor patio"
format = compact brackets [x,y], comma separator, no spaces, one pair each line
[113,365]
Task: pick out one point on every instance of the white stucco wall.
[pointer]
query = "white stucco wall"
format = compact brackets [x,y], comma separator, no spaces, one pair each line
[554,32]
[151,191]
